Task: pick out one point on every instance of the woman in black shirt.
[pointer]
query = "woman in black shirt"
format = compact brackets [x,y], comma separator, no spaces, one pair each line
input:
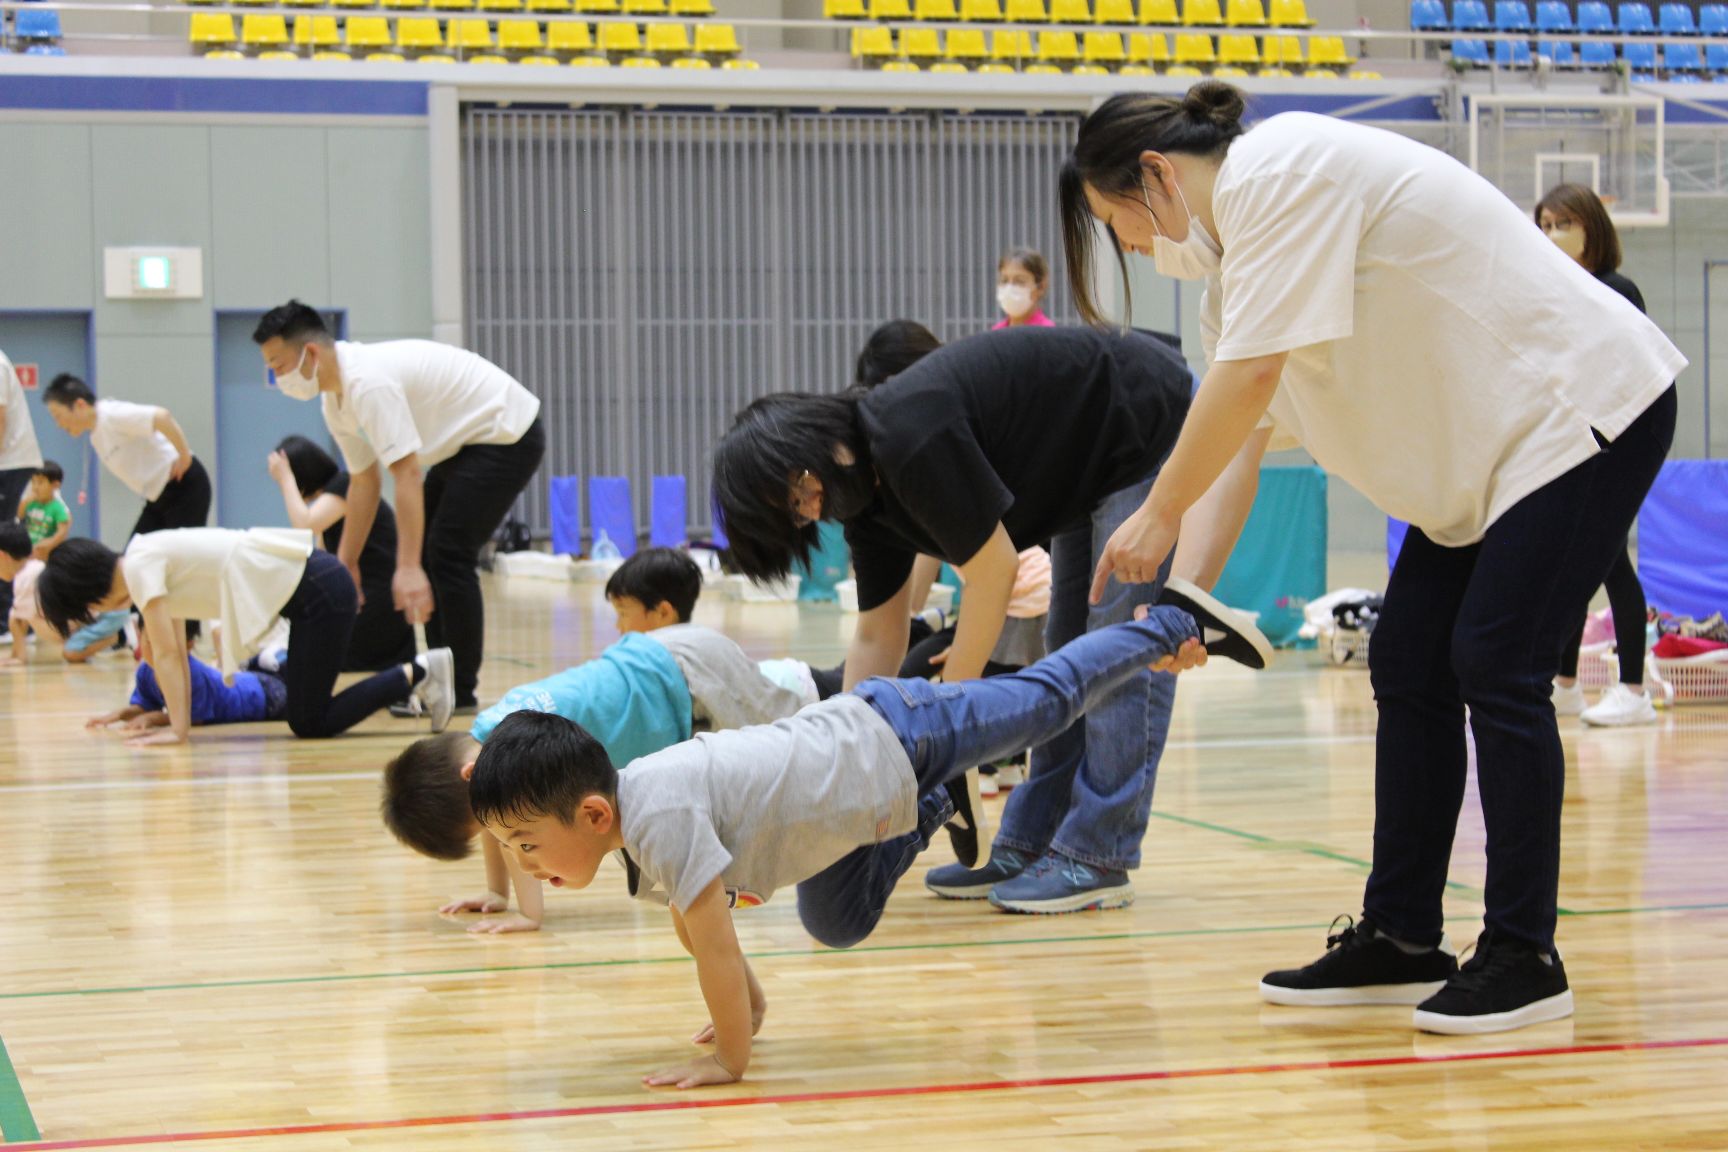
[970,454]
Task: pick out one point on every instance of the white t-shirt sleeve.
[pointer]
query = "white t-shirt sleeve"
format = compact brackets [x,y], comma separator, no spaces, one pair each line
[381,409]
[1289,269]
[125,420]
[146,570]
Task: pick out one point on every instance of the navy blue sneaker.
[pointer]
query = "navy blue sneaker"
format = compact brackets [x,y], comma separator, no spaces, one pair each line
[958,882]
[1055,883]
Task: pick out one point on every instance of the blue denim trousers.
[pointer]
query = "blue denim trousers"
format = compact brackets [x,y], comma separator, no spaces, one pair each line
[1089,793]
[948,728]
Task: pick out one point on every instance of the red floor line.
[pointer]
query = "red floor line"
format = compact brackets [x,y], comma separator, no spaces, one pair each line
[686,1103]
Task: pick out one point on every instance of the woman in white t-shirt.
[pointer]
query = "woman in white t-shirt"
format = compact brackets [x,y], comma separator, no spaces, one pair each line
[246,579]
[1397,315]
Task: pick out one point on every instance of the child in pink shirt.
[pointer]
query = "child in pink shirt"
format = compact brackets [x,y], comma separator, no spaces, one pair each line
[1022,278]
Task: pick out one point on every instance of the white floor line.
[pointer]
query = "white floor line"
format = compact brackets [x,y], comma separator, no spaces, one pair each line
[146,785]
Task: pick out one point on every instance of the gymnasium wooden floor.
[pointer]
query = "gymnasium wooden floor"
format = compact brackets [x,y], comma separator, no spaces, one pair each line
[221,948]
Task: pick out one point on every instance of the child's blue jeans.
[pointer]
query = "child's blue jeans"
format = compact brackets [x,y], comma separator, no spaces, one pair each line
[949,728]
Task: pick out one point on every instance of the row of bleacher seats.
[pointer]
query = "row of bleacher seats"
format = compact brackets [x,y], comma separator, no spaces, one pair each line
[681,8]
[1101,49]
[1553,17]
[1174,71]
[1193,13]
[1643,60]
[35,32]
[268,35]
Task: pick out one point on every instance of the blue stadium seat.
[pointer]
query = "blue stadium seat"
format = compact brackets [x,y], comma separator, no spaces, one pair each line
[1682,58]
[1553,16]
[1559,51]
[1471,52]
[668,512]
[44,50]
[1427,15]
[1512,53]
[1640,57]
[610,511]
[1716,57]
[1469,15]
[1511,16]
[1596,55]
[1713,19]
[37,25]
[1676,20]
[1685,78]
[1594,18]
[1635,20]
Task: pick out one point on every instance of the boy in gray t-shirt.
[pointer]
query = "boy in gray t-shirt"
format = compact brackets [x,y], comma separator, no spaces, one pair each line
[828,799]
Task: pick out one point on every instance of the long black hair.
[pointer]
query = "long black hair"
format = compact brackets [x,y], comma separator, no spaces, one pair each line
[78,575]
[769,446]
[891,349]
[1106,156]
[313,467]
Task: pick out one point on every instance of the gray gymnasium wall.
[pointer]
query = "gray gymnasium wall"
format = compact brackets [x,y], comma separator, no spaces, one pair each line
[331,213]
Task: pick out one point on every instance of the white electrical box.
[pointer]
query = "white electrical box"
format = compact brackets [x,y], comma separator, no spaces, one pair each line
[153,273]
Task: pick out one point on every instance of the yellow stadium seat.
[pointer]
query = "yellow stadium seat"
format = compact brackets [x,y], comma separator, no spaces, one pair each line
[1230,73]
[1058,47]
[1319,74]
[1025,11]
[1070,12]
[333,56]
[1237,50]
[539,62]
[920,44]
[1011,46]
[603,6]
[354,3]
[1328,52]
[452,5]
[549,5]
[443,58]
[740,66]
[1114,12]
[995,70]
[717,40]
[367,32]
[872,43]
[278,54]
[302,3]
[668,39]
[1089,70]
[844,9]
[692,63]
[501,5]
[568,36]
[1102,48]
[900,66]
[948,68]
[253,3]
[1135,70]
[1290,14]
[1195,48]
[316,32]
[1285,50]
[1359,74]
[224,54]
[1196,12]
[1161,13]
[638,62]
[482,58]
[212,29]
[263,30]
[692,7]
[1245,14]
[1184,70]
[980,11]
[590,62]
[403,5]
[1277,74]
[935,10]
[890,9]
[1148,48]
[620,39]
[519,35]
[967,44]
[1043,70]
[418,33]
[386,58]
[468,35]
[644,7]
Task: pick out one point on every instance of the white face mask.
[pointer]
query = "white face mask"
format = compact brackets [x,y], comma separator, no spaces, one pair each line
[1569,241]
[1195,258]
[297,385]
[1014,299]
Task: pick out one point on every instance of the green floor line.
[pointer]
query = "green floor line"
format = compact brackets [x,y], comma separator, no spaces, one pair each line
[16,1123]
[1635,911]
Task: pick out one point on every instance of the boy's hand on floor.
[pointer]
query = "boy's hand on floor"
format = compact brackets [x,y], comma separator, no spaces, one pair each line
[758,1009]
[703,1070]
[515,922]
[489,903]
[104,720]
[155,739]
[147,721]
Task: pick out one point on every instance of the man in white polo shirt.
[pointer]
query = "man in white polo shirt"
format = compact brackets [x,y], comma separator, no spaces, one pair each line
[19,454]
[409,406]
[143,445]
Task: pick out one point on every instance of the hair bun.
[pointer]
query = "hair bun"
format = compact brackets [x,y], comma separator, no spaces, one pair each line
[1217,102]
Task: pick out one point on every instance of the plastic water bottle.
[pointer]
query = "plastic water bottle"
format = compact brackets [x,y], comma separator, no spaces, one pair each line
[604,549]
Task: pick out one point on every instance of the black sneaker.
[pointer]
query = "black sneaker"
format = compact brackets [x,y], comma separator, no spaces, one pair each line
[963,826]
[1362,967]
[958,882]
[1505,984]
[1224,631]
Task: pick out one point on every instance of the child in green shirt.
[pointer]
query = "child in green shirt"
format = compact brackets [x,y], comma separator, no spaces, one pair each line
[44,514]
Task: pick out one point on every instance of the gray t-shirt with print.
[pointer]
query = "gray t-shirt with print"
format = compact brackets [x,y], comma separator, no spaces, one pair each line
[764,807]
[727,688]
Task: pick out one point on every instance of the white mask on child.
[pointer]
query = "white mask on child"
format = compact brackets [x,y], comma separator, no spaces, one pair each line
[297,385]
[1014,299]
[1196,257]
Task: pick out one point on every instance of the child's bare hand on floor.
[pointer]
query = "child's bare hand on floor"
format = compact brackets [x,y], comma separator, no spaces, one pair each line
[489,903]
[161,737]
[758,1009]
[703,1070]
[515,922]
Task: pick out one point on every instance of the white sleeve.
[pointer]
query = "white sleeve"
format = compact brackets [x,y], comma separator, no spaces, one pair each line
[356,452]
[146,570]
[381,409]
[124,420]
[1289,270]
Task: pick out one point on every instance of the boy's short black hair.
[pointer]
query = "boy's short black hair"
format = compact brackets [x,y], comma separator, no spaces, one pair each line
[66,390]
[294,322]
[53,471]
[78,575]
[538,764]
[15,540]
[891,349]
[659,576]
[425,801]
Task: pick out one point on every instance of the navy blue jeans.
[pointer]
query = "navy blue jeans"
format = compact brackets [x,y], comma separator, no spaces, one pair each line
[321,616]
[948,728]
[1481,627]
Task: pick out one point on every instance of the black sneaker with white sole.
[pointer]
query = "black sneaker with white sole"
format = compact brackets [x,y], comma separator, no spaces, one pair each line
[963,826]
[1362,967]
[1505,984]
[1223,630]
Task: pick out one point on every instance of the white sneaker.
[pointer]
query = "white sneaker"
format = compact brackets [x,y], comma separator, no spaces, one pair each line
[1621,706]
[1568,701]
[437,692]
[1010,775]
